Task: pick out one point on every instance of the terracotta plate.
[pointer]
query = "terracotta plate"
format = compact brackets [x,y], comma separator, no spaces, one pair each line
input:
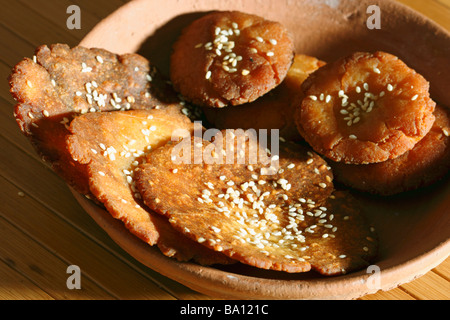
[414,228]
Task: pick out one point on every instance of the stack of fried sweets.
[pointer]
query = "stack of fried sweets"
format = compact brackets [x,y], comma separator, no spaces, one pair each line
[119,133]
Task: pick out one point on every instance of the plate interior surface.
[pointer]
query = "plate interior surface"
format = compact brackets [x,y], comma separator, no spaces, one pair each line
[414,228]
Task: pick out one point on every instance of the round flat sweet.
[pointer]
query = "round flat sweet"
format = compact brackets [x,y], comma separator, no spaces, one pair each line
[60,83]
[421,166]
[365,108]
[230,58]
[111,145]
[274,110]
[286,220]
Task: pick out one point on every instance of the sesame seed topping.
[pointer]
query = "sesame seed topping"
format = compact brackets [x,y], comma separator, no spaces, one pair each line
[415,97]
[446,133]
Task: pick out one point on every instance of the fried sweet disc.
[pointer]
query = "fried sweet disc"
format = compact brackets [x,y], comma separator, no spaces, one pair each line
[284,221]
[423,165]
[230,58]
[365,108]
[60,83]
[274,110]
[111,145]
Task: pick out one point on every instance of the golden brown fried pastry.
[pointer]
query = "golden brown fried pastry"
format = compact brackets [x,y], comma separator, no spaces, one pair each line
[365,108]
[423,165]
[61,83]
[230,58]
[274,110]
[286,221]
[111,145]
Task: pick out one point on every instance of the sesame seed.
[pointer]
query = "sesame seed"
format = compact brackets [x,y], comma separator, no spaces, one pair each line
[99,59]
[313,98]
[201,240]
[245,72]
[376,70]
[270,54]
[446,133]
[390,87]
[353,137]
[415,97]
[175,170]
[208,75]
[322,185]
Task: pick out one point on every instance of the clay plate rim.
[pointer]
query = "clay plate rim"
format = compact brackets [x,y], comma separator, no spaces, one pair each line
[222,284]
